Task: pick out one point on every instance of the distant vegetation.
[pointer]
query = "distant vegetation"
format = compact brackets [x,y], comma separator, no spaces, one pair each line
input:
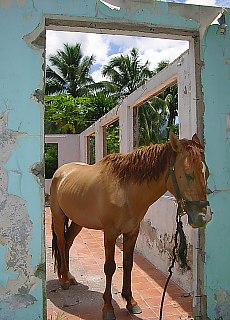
[74,101]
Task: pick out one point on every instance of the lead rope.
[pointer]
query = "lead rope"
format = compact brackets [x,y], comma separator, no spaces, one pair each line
[178,228]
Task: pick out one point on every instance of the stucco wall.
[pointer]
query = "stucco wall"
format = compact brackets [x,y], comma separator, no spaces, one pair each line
[216,88]
[21,133]
[21,167]
[157,238]
[68,150]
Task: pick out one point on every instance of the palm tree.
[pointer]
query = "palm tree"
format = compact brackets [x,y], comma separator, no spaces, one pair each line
[170,96]
[152,121]
[69,71]
[126,72]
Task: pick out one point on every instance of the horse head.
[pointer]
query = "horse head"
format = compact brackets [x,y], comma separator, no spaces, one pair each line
[187,180]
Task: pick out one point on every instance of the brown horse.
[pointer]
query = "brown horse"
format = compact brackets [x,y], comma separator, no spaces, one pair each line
[114,194]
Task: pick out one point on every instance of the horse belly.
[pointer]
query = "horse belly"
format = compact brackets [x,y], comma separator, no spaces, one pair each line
[80,207]
[86,218]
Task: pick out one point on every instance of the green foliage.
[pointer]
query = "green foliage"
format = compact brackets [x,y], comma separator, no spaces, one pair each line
[70,71]
[152,122]
[127,73]
[80,102]
[92,149]
[64,114]
[170,96]
[51,159]
[97,105]
[112,137]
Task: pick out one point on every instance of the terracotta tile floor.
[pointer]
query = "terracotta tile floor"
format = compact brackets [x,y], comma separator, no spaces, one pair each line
[85,301]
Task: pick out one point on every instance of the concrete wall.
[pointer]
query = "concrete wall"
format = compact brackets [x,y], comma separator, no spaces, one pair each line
[156,240]
[22,25]
[68,150]
[216,88]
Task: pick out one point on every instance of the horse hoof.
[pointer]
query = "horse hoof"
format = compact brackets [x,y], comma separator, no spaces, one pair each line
[65,285]
[109,315]
[134,309]
[73,281]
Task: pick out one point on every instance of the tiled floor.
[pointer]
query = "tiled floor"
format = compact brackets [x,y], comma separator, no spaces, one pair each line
[85,301]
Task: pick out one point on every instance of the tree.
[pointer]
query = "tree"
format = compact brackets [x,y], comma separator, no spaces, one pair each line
[51,159]
[66,114]
[170,96]
[97,105]
[157,116]
[127,73]
[152,122]
[70,71]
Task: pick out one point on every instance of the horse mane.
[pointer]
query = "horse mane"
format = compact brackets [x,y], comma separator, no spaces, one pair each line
[147,163]
[144,163]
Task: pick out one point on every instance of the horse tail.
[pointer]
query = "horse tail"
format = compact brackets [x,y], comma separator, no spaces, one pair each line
[55,250]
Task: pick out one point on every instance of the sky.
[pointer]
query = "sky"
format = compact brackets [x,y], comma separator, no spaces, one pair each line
[105,47]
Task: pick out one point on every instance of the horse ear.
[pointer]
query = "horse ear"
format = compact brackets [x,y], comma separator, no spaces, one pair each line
[175,142]
[196,139]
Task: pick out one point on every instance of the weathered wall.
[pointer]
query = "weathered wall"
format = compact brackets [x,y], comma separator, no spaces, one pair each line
[68,150]
[216,88]
[21,134]
[157,238]
[21,168]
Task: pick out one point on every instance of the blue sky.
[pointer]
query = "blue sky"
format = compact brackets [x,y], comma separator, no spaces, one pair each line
[105,47]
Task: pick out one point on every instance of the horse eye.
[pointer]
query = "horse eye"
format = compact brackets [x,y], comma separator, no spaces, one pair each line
[190,176]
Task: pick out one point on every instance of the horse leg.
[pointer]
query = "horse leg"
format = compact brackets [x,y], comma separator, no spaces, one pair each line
[72,232]
[109,269]
[129,240]
[59,245]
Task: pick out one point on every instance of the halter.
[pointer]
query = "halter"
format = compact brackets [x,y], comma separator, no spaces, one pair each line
[182,203]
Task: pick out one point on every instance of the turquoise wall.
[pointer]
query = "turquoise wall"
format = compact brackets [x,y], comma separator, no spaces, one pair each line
[21,144]
[216,88]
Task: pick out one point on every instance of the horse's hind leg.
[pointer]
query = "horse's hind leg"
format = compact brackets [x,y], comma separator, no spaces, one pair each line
[129,240]
[59,245]
[72,232]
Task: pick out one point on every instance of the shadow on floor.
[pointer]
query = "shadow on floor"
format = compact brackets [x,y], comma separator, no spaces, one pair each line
[80,301]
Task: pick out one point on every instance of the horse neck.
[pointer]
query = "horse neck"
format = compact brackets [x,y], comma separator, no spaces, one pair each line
[148,192]
[153,190]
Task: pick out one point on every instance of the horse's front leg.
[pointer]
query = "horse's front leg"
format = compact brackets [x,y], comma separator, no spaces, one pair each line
[109,269]
[129,240]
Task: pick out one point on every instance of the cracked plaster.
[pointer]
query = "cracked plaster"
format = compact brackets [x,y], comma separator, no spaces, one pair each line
[15,232]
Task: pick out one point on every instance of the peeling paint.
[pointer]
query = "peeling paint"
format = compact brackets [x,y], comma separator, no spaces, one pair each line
[41,271]
[39,95]
[163,242]
[38,171]
[15,231]
[222,299]
[196,13]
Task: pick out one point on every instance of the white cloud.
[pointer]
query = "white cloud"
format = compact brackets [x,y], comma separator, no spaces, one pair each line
[97,76]
[202,2]
[104,47]
[90,43]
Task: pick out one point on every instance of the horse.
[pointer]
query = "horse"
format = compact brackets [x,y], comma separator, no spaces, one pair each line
[115,193]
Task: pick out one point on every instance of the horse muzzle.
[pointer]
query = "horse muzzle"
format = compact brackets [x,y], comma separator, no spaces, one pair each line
[199,213]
